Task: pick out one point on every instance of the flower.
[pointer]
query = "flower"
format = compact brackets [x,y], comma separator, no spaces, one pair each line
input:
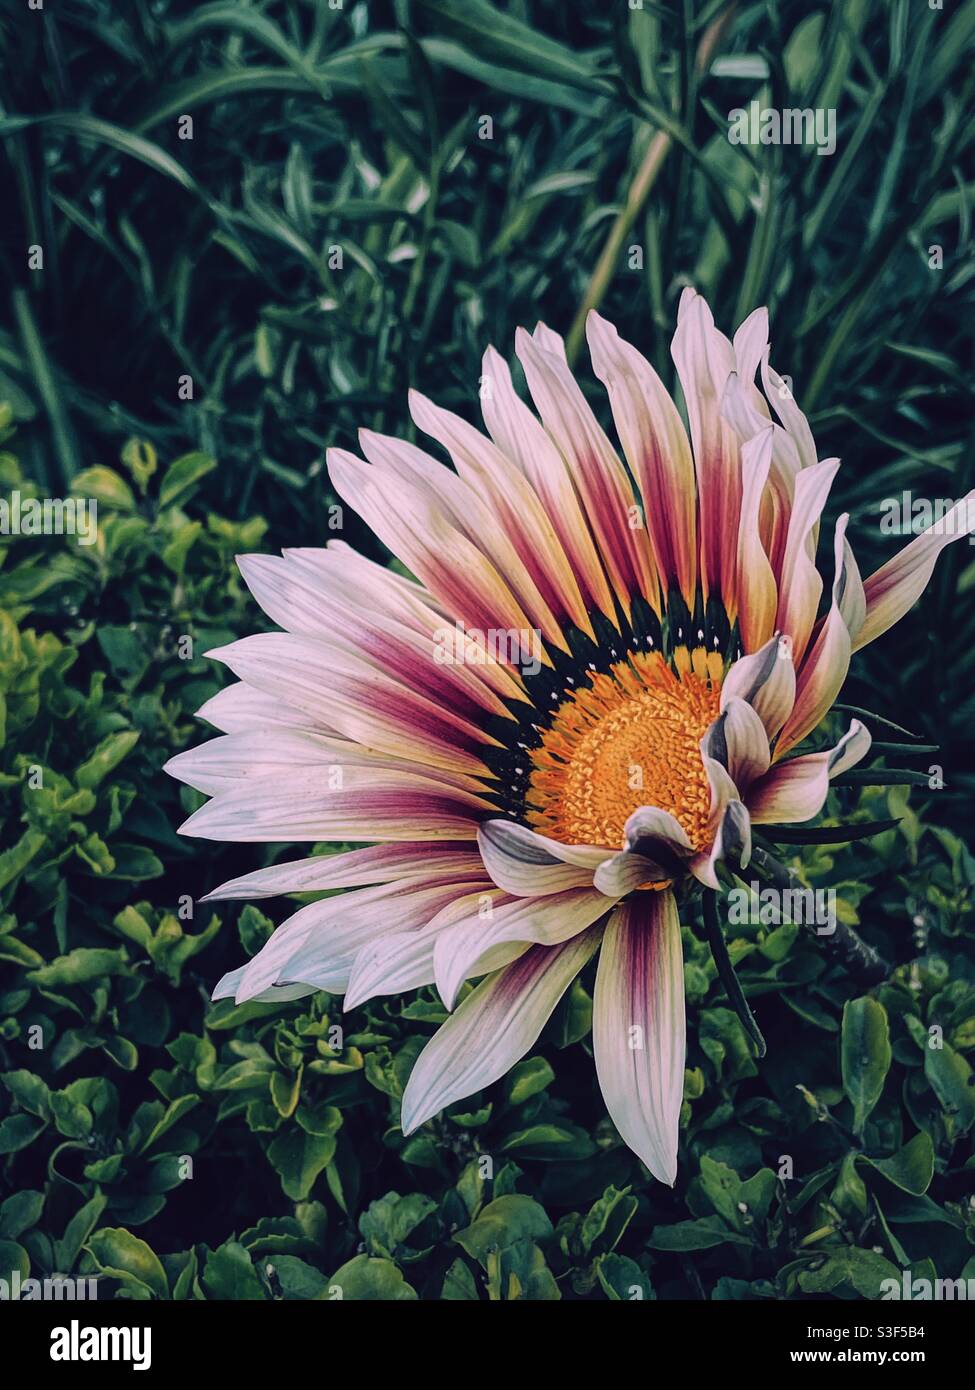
[518,815]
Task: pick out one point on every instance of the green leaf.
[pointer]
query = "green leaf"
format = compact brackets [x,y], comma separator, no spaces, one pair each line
[911,1168]
[122,1255]
[365,1278]
[503,1222]
[949,1076]
[527,1078]
[865,1056]
[19,1213]
[299,1158]
[229,1274]
[703,1234]
[182,477]
[861,1270]
[106,757]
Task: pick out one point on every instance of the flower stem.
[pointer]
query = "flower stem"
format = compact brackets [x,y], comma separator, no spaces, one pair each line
[845,944]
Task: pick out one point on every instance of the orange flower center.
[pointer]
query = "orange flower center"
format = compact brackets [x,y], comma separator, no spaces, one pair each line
[632,739]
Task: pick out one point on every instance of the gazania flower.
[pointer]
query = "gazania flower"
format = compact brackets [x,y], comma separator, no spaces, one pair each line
[519,815]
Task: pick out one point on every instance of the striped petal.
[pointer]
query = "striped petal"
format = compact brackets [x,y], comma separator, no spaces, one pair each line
[704,360]
[605,490]
[404,960]
[767,680]
[796,790]
[514,503]
[897,585]
[800,583]
[657,450]
[318,945]
[824,670]
[638,1028]
[370,806]
[757,592]
[530,865]
[493,1028]
[423,535]
[324,681]
[522,438]
[359,868]
[471,946]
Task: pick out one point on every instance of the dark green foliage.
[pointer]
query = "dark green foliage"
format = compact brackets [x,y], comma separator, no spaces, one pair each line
[184,1150]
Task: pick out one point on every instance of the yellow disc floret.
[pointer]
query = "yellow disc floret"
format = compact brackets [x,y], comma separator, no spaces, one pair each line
[631,739]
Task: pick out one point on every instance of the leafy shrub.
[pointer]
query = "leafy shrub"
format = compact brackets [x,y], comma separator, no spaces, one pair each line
[179,1149]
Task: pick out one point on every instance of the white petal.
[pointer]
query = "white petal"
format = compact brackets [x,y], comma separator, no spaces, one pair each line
[493,1028]
[638,1027]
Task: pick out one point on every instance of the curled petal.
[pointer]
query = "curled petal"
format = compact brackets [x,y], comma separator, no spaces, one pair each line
[896,586]
[657,835]
[479,944]
[767,680]
[824,670]
[795,791]
[733,841]
[529,865]
[737,739]
[624,872]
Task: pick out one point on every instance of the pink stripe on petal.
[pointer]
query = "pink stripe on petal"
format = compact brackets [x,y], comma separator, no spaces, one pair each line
[493,1028]
[757,593]
[796,790]
[893,589]
[705,359]
[365,705]
[328,608]
[800,583]
[372,806]
[605,491]
[638,1028]
[767,680]
[657,451]
[515,429]
[515,505]
[824,670]
[357,868]
[453,567]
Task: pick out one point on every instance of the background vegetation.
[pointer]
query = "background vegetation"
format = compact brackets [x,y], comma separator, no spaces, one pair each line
[362,127]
